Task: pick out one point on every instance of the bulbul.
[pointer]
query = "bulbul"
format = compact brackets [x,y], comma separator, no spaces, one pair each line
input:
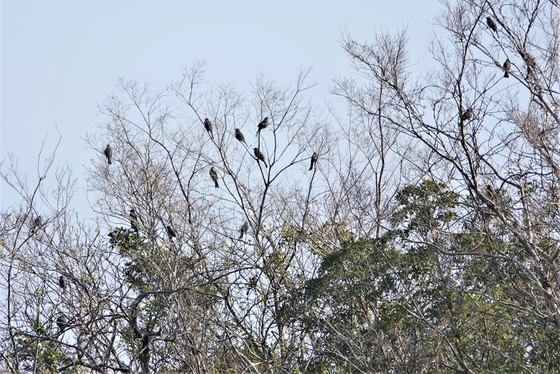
[260,156]
[108,152]
[253,281]
[208,126]
[490,22]
[243,229]
[36,224]
[239,136]
[61,322]
[170,232]
[314,159]
[467,115]
[214,176]
[62,282]
[531,63]
[262,125]
[507,68]
[133,219]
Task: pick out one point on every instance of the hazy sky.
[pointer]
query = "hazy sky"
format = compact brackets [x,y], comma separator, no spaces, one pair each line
[60,59]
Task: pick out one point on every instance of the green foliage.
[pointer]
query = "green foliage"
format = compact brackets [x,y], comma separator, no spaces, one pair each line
[425,207]
[39,355]
[378,306]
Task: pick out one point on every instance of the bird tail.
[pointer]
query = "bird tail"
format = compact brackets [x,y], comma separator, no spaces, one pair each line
[216,184]
[265,165]
[311,167]
[506,75]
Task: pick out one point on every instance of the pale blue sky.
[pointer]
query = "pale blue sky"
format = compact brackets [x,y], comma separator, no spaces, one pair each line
[59,59]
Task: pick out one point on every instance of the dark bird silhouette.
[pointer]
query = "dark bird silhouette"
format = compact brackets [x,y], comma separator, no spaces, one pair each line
[260,156]
[214,176]
[507,68]
[243,229]
[239,136]
[490,22]
[314,159]
[36,224]
[61,322]
[108,152]
[62,282]
[262,125]
[208,126]
[490,190]
[133,219]
[170,232]
[253,281]
[467,115]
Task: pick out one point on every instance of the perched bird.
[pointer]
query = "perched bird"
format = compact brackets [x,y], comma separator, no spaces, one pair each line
[62,282]
[243,230]
[260,156]
[208,126]
[214,176]
[36,224]
[133,219]
[61,322]
[314,159]
[467,115]
[239,136]
[507,68]
[253,281]
[262,125]
[490,22]
[108,152]
[490,190]
[170,232]
[531,63]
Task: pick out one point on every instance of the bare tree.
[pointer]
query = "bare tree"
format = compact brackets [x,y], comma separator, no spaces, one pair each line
[402,239]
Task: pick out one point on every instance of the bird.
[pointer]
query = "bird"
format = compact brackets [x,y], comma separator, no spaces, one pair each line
[243,230]
[262,125]
[468,114]
[208,126]
[108,152]
[239,136]
[133,219]
[62,282]
[490,22]
[260,157]
[214,176]
[531,63]
[170,232]
[507,68]
[314,159]
[490,190]
[253,281]
[61,322]
[36,224]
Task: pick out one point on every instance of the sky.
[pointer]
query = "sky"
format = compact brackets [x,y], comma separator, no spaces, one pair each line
[60,59]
